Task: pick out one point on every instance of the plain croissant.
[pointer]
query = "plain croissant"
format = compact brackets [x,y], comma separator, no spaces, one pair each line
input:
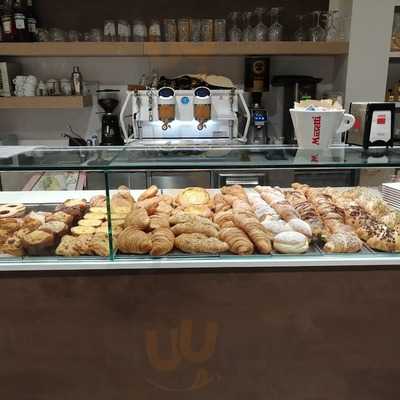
[163,242]
[138,219]
[133,241]
[237,240]
[255,231]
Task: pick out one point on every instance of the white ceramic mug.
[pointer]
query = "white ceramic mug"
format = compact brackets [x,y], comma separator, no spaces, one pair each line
[317,129]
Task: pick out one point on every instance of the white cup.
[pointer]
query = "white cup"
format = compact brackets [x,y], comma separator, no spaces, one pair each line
[317,129]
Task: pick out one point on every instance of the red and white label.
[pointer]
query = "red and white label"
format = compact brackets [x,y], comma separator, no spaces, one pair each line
[316,138]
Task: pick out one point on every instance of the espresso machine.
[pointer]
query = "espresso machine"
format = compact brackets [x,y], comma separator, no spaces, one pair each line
[108,100]
[199,116]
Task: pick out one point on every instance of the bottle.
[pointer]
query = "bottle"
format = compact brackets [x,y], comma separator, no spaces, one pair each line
[21,27]
[31,21]
[76,80]
[390,96]
[7,22]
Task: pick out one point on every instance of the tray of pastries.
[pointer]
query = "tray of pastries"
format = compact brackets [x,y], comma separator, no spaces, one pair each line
[195,221]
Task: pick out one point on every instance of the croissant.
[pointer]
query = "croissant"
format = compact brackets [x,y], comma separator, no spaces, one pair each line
[189,227]
[242,206]
[224,219]
[195,243]
[182,218]
[149,193]
[255,231]
[238,241]
[133,241]
[343,243]
[123,198]
[163,242]
[236,191]
[138,218]
[150,205]
[164,208]
[158,221]
[220,204]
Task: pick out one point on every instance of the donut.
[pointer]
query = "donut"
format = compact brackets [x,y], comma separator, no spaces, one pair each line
[12,210]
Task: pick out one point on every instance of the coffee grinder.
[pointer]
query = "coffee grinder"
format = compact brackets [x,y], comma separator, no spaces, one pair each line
[257,82]
[108,100]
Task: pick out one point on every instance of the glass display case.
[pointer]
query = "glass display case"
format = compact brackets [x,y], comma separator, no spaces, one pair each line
[206,207]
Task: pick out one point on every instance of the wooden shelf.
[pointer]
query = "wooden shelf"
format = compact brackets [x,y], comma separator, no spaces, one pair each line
[46,102]
[123,49]
[72,49]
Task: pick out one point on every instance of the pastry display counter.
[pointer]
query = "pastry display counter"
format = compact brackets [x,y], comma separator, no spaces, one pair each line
[230,226]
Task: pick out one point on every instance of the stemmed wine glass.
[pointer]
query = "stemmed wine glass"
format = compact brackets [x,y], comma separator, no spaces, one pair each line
[248,29]
[235,33]
[301,34]
[260,30]
[275,32]
[317,32]
[331,30]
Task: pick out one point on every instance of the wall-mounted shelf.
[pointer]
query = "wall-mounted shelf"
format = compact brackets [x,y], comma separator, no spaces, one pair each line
[46,102]
[124,49]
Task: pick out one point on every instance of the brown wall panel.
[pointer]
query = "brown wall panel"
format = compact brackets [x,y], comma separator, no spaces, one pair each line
[256,335]
[87,14]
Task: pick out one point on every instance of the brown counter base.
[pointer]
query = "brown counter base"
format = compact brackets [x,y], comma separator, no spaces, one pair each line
[201,335]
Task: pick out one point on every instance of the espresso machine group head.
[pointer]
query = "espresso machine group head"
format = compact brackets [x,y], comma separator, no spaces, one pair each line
[201,116]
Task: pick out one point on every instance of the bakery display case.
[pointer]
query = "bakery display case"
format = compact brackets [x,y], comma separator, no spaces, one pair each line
[262,207]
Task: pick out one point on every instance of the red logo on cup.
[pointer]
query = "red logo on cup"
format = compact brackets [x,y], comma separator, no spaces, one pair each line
[381,120]
[317,130]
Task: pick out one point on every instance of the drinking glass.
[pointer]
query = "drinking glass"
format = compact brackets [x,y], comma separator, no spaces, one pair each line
[248,29]
[220,30]
[95,35]
[184,29]
[43,35]
[124,31]
[260,30]
[343,26]
[110,31]
[235,33]
[73,36]
[317,32]
[195,30]
[57,35]
[139,31]
[170,30]
[331,29]
[154,31]
[301,34]
[275,32]
[207,30]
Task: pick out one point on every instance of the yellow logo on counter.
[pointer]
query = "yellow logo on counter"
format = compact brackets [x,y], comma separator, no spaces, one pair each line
[181,355]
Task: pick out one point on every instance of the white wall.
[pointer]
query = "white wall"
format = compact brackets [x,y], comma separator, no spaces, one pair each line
[46,126]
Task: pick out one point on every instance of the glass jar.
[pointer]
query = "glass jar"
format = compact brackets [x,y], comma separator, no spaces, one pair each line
[139,31]
[235,33]
[170,30]
[184,29]
[95,35]
[154,31]
[110,31]
[57,35]
[123,31]
[220,30]
[195,30]
[207,30]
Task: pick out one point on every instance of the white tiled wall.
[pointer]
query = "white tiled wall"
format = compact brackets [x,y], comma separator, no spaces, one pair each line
[46,126]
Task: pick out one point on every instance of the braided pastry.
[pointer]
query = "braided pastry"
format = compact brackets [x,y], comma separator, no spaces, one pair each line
[195,243]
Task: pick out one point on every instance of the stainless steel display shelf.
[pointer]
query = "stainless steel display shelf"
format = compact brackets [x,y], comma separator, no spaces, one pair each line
[312,262]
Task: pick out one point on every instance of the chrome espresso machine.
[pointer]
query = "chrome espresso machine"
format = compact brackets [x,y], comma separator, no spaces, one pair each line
[200,115]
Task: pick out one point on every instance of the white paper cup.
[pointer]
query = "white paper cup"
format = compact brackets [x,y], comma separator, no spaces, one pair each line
[317,129]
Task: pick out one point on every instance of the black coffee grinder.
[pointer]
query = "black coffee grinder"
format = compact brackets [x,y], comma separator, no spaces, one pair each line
[108,100]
